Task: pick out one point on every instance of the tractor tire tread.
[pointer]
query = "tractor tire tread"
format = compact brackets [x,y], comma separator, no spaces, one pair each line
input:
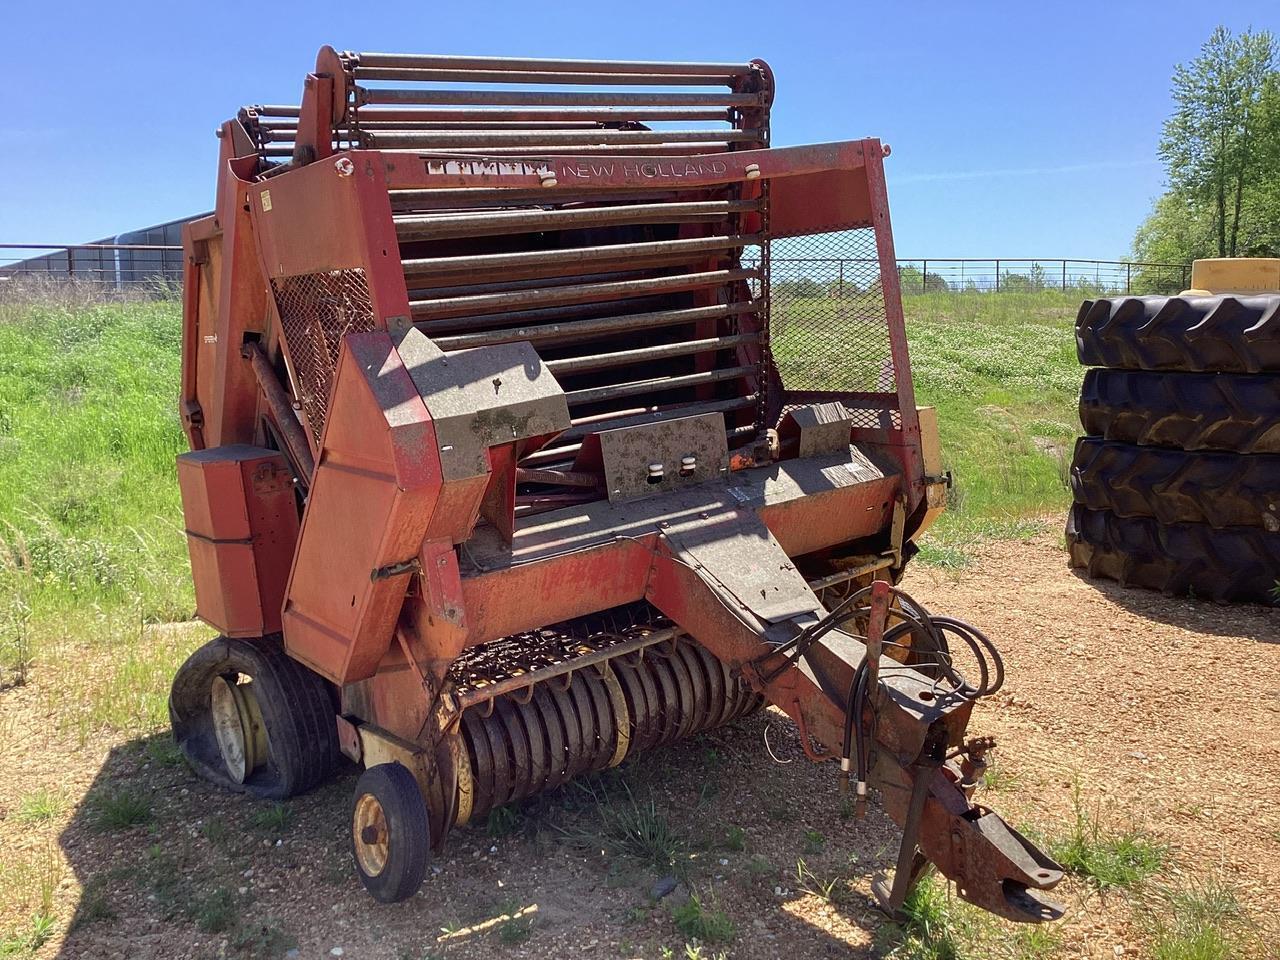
[1186,411]
[1173,486]
[1220,333]
[1236,564]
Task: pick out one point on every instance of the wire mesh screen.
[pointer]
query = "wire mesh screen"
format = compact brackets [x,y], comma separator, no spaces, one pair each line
[828,326]
[316,311]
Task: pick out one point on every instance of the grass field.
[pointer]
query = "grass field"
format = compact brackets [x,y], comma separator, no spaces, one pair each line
[91,545]
[95,602]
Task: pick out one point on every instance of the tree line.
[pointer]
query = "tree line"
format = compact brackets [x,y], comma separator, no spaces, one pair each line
[1221,151]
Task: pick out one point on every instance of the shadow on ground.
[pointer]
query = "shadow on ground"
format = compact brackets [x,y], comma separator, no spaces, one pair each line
[1244,621]
[172,867]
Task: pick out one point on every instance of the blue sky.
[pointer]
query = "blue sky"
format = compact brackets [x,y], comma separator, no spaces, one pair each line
[1018,130]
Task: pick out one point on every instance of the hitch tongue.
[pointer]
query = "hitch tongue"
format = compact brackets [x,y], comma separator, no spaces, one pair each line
[992,865]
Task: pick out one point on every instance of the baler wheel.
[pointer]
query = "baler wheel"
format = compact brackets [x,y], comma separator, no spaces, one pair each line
[390,834]
[249,717]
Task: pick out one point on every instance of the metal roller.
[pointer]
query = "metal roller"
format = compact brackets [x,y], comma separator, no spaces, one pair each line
[528,98]
[558,118]
[485,223]
[436,75]
[448,139]
[427,61]
[592,717]
[575,293]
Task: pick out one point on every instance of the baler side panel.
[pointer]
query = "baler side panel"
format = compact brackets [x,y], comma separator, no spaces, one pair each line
[372,498]
[241,310]
[242,525]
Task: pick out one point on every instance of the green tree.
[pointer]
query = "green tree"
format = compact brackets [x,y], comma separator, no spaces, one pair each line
[1221,149]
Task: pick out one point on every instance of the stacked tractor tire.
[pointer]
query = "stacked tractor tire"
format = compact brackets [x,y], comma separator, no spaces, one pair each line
[1177,481]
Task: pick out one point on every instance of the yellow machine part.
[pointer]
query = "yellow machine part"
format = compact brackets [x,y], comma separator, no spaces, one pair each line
[1234,275]
[936,484]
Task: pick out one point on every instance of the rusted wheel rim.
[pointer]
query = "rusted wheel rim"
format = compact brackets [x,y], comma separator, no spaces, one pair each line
[237,726]
[369,831]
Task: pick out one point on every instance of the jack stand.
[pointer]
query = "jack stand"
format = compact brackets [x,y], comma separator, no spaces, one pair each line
[912,864]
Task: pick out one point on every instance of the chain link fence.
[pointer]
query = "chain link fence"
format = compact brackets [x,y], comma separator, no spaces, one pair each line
[798,272]
[105,270]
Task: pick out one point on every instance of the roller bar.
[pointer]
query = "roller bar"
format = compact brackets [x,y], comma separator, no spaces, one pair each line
[505,138]
[601,361]
[433,75]
[529,98]
[572,330]
[576,293]
[425,61]
[509,222]
[616,391]
[486,262]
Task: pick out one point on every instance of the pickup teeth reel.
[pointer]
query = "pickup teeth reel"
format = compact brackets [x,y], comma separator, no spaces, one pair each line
[615,685]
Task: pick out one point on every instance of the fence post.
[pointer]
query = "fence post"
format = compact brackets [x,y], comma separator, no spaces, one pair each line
[840,293]
[1128,278]
[71,265]
[1064,276]
[997,276]
[924,276]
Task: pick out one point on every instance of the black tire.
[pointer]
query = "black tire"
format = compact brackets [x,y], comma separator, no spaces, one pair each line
[1177,559]
[1210,334]
[1189,411]
[297,711]
[406,839]
[1219,489]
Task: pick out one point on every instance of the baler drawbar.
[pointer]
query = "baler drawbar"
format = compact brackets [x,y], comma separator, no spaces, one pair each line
[541,413]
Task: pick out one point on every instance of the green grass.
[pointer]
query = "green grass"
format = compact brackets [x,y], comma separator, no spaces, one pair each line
[703,921]
[92,551]
[24,943]
[273,819]
[40,807]
[624,826]
[937,925]
[120,810]
[1105,857]
[1202,922]
[1003,375]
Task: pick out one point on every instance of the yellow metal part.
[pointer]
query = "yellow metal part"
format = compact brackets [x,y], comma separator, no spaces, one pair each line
[466,785]
[369,835]
[621,717]
[1234,275]
[238,726]
[930,444]
[378,746]
[935,491]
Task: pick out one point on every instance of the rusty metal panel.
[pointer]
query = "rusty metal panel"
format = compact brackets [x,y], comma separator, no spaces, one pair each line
[629,453]
[242,523]
[821,427]
[372,499]
[733,551]
[482,398]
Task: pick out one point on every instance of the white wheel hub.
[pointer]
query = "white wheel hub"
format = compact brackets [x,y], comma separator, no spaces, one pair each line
[237,726]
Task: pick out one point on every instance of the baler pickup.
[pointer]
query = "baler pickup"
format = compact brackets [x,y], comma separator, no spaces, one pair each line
[535,425]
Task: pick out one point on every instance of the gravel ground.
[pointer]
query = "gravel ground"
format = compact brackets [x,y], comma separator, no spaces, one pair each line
[1165,713]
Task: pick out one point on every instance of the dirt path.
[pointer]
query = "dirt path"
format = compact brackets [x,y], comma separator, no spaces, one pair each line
[1165,712]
